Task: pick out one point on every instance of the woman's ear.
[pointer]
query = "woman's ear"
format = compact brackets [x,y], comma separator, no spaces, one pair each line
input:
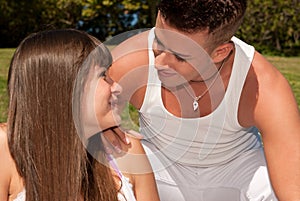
[222,52]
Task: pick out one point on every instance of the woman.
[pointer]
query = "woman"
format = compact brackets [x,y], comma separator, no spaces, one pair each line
[44,155]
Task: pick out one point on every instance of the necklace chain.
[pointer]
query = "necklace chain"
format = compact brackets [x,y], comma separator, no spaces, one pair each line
[219,69]
[197,98]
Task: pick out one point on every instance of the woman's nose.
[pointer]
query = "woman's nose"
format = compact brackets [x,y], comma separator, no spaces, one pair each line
[116,89]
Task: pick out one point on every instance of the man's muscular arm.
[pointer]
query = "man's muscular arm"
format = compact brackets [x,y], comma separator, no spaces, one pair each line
[278,119]
[129,69]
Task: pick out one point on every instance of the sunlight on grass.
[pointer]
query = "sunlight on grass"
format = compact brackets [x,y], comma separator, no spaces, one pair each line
[5,56]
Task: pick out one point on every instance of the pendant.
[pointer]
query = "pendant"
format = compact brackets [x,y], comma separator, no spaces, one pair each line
[195,105]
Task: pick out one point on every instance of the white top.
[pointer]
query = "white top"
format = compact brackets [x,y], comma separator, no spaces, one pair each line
[206,141]
[126,191]
[21,196]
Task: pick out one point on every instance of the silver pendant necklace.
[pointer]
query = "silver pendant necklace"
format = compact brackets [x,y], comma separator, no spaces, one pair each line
[197,98]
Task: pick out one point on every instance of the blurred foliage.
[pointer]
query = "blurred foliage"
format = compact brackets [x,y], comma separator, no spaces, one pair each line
[101,18]
[272,26]
[18,18]
[111,17]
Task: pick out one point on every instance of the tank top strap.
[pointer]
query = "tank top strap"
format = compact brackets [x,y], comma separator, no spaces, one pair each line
[242,62]
[152,78]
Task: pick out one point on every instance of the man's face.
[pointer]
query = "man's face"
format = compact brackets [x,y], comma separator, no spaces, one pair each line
[179,57]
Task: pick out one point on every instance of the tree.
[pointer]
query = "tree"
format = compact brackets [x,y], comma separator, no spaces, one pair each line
[104,18]
[18,18]
[273,26]
[101,18]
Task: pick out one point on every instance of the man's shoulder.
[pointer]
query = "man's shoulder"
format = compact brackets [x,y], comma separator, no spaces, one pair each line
[264,69]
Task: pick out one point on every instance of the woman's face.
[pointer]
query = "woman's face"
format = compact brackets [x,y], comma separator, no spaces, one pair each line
[106,101]
[99,109]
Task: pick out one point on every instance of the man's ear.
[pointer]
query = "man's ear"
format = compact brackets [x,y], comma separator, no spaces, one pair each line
[222,52]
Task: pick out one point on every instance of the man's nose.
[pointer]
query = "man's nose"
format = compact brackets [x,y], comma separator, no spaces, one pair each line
[162,61]
[160,58]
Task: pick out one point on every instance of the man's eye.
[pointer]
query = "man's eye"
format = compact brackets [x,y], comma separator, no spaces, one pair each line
[179,58]
[156,52]
[158,45]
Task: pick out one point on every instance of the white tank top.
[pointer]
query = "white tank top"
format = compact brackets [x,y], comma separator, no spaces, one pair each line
[206,141]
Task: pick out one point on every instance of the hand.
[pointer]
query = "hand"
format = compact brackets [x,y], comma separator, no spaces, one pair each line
[113,138]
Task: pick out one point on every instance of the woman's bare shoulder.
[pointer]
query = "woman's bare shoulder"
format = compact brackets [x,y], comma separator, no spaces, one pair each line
[3,135]
[4,151]
[5,155]
[11,182]
[136,147]
[3,125]
[135,161]
[5,167]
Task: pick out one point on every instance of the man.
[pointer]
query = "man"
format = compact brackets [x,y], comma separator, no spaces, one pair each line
[214,112]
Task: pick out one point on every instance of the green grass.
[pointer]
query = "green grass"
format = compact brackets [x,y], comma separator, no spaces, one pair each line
[290,68]
[5,57]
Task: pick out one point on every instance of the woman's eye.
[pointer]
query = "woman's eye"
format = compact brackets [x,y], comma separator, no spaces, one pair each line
[158,45]
[156,52]
[102,74]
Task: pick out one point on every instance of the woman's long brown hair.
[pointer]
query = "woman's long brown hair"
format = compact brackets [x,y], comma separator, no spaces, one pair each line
[42,136]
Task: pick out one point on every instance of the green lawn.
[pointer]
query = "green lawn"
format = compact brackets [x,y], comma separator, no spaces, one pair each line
[5,56]
[290,67]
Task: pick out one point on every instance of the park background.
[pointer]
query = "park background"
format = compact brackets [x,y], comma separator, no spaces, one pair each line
[271,26]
